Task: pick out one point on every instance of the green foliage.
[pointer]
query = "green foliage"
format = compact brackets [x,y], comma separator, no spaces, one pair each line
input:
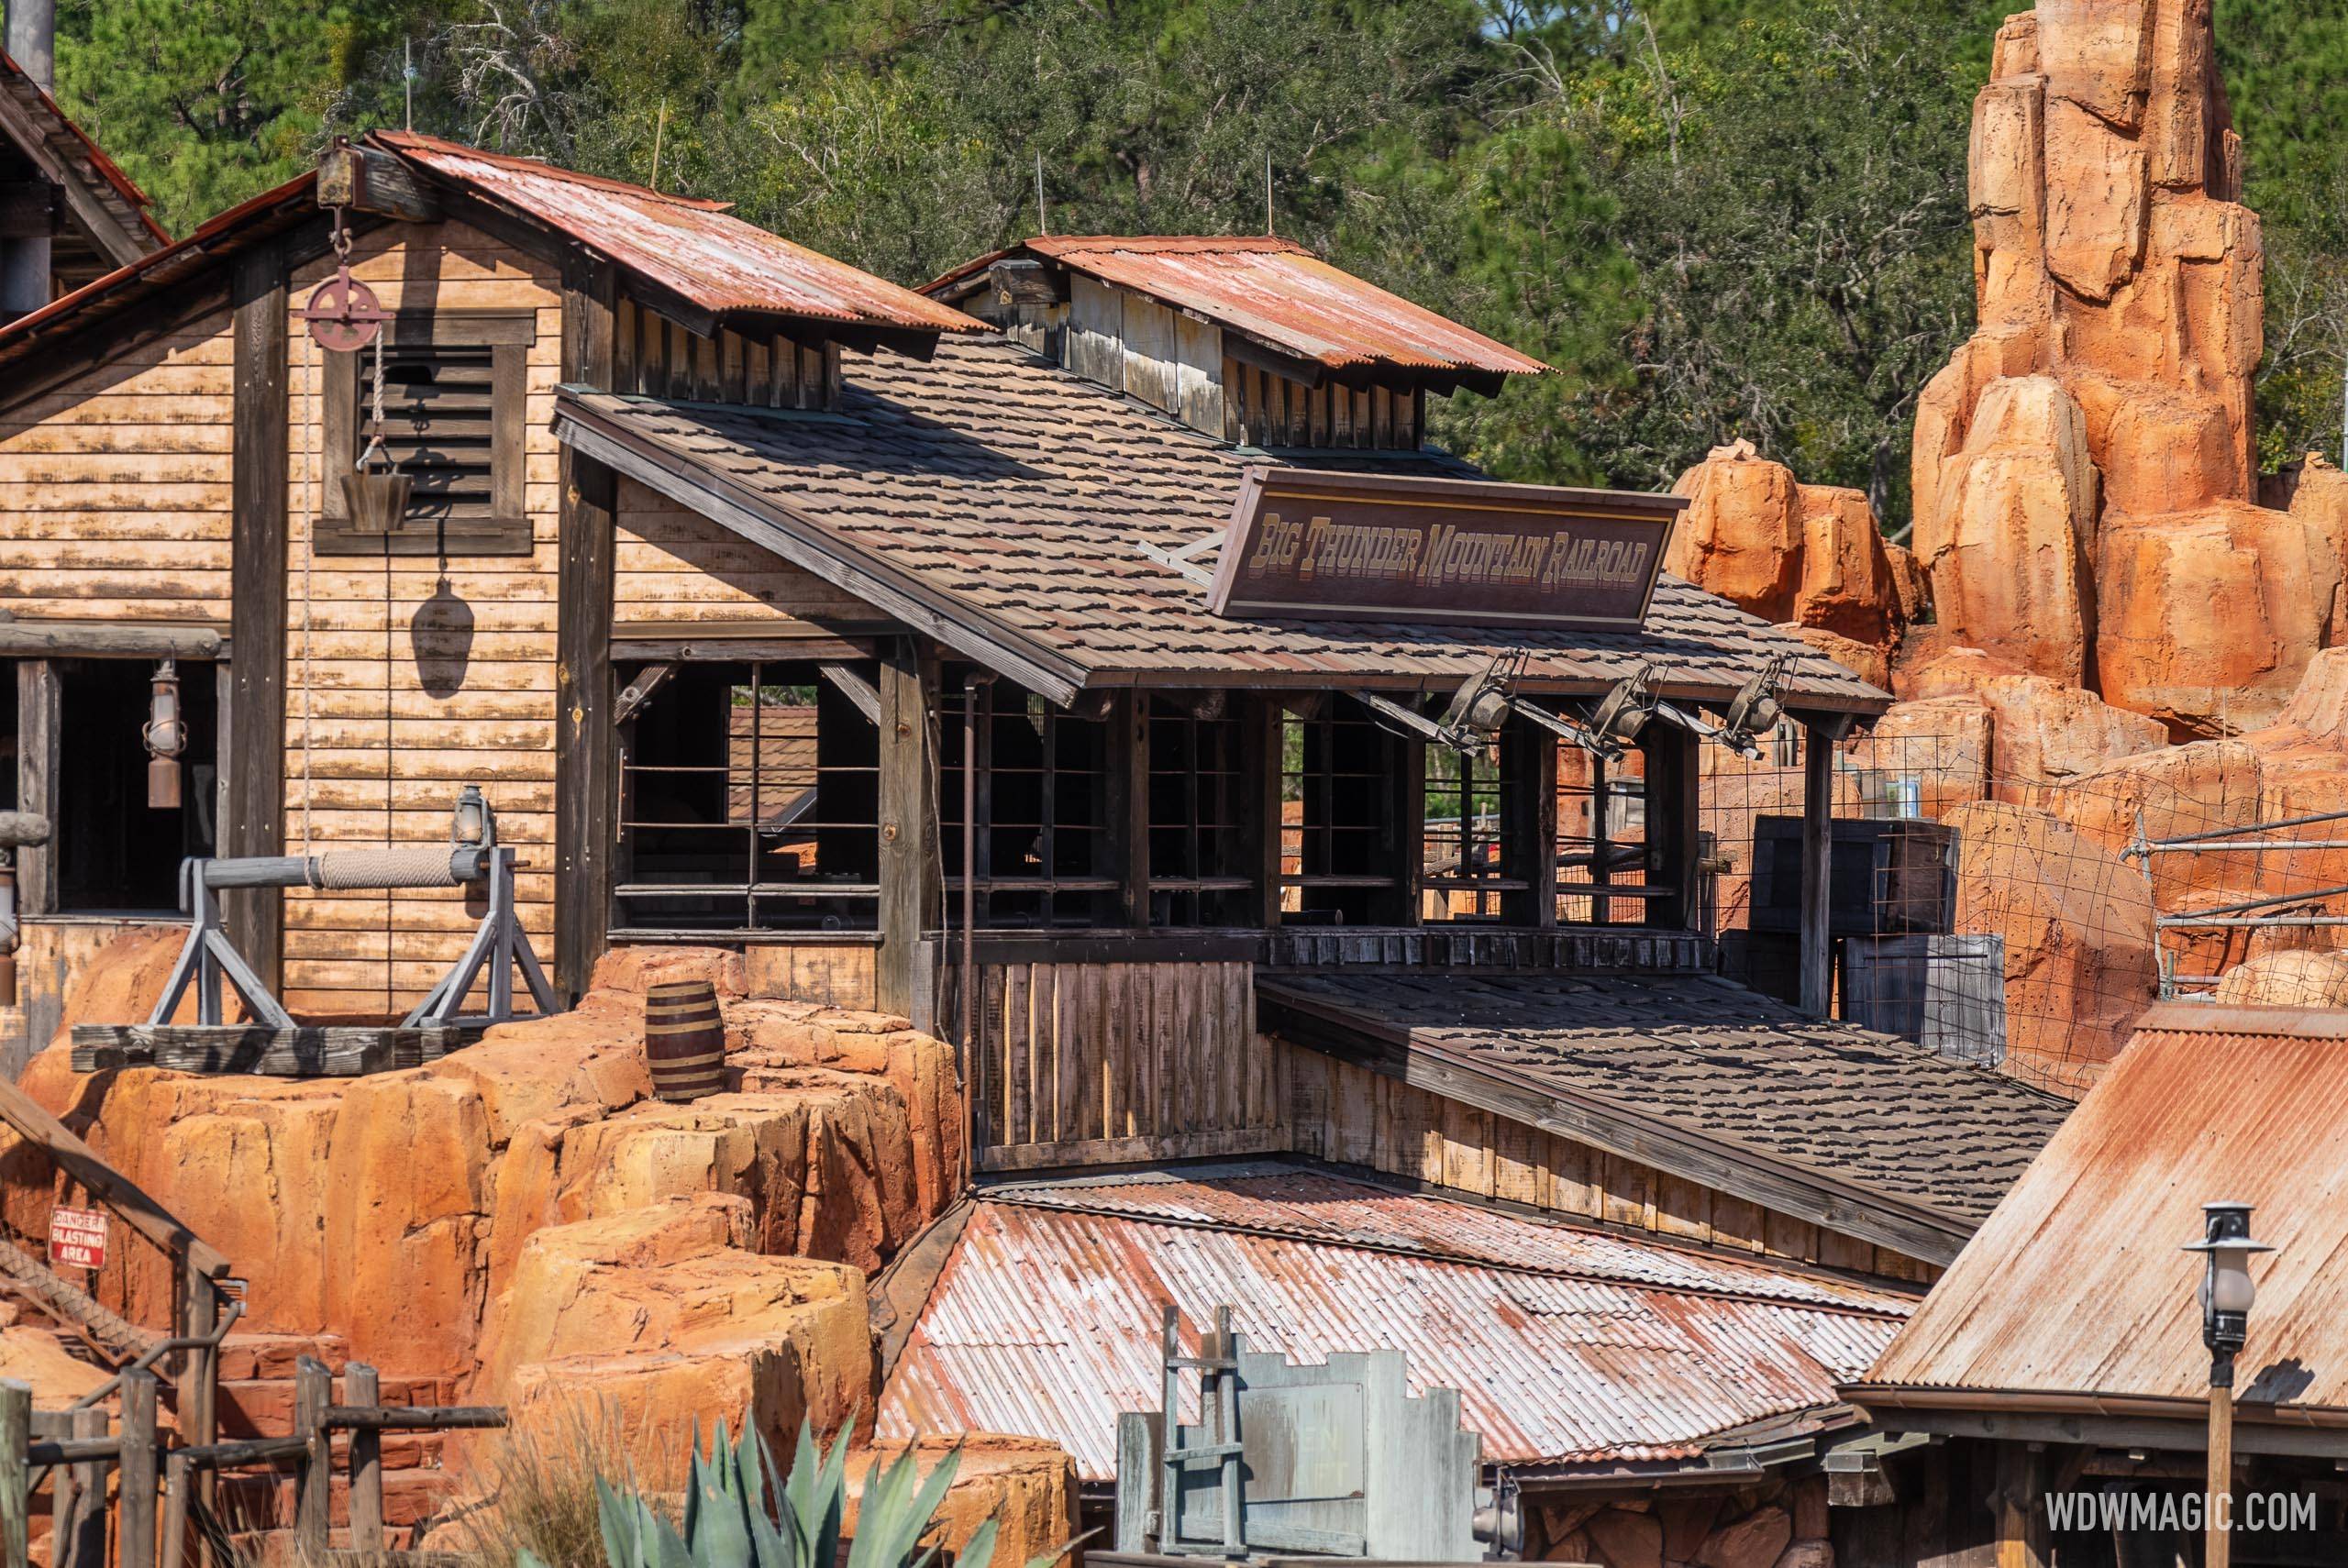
[728,1522]
[1714,217]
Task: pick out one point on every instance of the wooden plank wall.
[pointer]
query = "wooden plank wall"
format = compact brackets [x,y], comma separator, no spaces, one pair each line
[1267,410]
[653,356]
[1350,1115]
[1097,1063]
[392,704]
[679,568]
[114,488]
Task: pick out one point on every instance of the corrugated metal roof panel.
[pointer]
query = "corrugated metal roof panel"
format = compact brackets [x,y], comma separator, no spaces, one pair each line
[1045,1321]
[81,154]
[1278,291]
[695,247]
[2076,1286]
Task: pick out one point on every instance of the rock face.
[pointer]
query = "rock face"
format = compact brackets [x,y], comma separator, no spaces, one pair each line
[392,1212]
[2077,924]
[2083,466]
[1808,555]
[664,1314]
[1026,1484]
[1774,1524]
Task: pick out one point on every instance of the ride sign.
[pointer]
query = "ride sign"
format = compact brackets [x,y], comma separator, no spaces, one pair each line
[1306,544]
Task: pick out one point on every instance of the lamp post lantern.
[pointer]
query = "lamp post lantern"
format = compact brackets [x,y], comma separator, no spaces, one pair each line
[2226,1296]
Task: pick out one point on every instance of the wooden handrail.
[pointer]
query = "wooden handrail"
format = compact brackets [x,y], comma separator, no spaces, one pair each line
[109,1185]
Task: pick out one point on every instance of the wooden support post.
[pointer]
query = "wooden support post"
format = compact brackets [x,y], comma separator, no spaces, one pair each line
[176,1479]
[586,741]
[40,729]
[15,1473]
[2022,1517]
[360,1386]
[1125,811]
[1817,863]
[1674,806]
[2221,1546]
[912,886]
[137,1468]
[260,470]
[65,1498]
[1266,753]
[1404,841]
[314,1494]
[1529,823]
[1601,844]
[86,1547]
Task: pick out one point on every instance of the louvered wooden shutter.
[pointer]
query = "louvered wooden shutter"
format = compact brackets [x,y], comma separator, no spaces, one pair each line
[454,390]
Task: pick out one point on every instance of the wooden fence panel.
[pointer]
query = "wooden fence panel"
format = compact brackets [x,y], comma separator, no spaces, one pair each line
[1100,1062]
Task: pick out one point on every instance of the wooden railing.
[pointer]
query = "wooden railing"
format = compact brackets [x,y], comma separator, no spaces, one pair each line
[161,1489]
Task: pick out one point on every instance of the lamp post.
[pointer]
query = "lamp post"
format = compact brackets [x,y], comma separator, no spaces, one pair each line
[2226,1297]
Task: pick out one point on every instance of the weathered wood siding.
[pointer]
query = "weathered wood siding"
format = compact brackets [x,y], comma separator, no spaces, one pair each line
[1353,1116]
[398,693]
[676,568]
[830,974]
[1096,1062]
[114,488]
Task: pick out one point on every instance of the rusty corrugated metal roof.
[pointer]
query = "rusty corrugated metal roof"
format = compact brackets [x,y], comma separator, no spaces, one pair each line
[2073,1294]
[81,156]
[1279,292]
[695,247]
[1568,1346]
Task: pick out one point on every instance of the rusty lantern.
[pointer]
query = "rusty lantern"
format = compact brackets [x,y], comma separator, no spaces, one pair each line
[166,737]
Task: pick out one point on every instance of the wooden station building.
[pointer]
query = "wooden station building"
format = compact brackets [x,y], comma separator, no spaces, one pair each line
[1079,622]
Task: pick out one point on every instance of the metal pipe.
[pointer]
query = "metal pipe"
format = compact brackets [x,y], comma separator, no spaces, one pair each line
[164,1348]
[2184,922]
[965,981]
[2273,900]
[2238,831]
[2175,848]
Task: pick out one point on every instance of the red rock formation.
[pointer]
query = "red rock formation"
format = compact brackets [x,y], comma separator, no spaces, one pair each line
[1810,555]
[391,1211]
[2084,467]
[2077,924]
[1026,1484]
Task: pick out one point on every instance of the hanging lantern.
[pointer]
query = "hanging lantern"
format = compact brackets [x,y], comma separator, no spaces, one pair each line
[166,737]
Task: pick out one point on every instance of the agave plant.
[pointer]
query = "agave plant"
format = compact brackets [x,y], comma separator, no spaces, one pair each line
[728,1523]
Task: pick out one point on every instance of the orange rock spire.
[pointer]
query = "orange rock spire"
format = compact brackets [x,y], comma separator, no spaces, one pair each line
[2085,467]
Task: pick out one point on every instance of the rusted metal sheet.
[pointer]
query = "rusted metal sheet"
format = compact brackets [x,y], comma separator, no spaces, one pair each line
[1567,1346]
[1278,291]
[695,247]
[78,153]
[2076,1289]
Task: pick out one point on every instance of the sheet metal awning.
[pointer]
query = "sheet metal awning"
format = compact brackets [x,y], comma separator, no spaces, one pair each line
[1570,1346]
[2074,1299]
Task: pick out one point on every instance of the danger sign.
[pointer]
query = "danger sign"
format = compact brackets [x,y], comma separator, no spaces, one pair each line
[77,1237]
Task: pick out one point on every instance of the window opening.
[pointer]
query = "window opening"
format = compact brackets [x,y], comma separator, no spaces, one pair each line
[749,802]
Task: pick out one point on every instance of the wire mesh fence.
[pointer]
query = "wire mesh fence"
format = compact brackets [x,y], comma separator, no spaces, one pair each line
[2029,919]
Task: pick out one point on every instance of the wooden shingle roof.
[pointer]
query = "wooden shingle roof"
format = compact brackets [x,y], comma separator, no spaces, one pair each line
[1004,504]
[1865,1133]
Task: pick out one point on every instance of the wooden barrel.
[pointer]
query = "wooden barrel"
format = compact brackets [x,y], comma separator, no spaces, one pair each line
[685,1039]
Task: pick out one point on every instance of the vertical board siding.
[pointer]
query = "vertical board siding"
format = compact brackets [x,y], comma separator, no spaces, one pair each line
[114,487]
[392,701]
[676,566]
[1110,1061]
[1350,1115]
